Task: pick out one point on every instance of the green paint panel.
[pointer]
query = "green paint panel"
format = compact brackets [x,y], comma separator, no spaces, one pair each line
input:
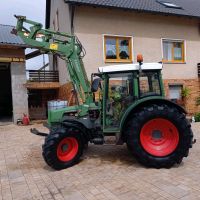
[56,115]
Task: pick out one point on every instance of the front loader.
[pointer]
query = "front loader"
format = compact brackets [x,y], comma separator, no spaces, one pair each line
[131,106]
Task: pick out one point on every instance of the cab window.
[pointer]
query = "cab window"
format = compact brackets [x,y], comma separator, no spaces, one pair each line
[149,84]
[120,96]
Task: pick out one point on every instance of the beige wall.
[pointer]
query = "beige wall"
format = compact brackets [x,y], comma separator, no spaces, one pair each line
[64,25]
[146,29]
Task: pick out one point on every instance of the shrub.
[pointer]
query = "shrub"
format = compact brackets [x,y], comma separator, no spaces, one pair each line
[185,92]
[197,117]
[198,101]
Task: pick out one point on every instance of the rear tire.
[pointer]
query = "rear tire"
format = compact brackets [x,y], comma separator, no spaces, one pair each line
[63,148]
[158,136]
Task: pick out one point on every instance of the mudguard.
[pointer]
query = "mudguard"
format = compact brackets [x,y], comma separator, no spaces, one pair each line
[79,126]
[144,102]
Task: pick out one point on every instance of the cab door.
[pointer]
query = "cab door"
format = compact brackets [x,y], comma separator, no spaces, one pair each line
[118,95]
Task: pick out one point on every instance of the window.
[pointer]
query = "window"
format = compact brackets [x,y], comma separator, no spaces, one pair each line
[173,51]
[175,92]
[118,49]
[149,84]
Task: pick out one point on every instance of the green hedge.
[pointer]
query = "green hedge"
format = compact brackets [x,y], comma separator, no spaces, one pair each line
[197,117]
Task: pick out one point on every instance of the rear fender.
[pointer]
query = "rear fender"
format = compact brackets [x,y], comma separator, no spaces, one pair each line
[144,102]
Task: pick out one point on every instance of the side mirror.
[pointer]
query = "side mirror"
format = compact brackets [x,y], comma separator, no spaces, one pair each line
[95,85]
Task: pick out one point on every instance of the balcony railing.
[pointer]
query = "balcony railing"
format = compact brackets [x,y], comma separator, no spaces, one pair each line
[198,68]
[42,76]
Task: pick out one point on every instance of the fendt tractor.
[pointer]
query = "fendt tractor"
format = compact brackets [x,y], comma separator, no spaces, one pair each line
[131,106]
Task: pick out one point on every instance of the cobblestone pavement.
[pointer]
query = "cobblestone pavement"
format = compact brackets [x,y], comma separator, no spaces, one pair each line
[105,172]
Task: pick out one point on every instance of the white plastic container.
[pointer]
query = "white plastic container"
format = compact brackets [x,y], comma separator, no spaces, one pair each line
[54,105]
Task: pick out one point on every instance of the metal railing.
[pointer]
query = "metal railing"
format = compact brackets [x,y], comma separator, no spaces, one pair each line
[42,76]
[198,68]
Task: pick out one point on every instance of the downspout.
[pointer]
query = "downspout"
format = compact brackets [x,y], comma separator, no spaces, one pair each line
[48,14]
[72,18]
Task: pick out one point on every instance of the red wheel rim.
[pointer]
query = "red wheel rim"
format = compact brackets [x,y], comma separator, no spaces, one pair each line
[159,137]
[67,149]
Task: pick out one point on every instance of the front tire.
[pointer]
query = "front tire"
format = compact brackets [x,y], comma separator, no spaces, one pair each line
[63,148]
[158,136]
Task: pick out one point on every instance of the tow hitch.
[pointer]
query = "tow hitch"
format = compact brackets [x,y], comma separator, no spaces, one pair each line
[36,132]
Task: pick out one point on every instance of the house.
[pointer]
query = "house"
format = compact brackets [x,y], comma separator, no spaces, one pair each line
[13,94]
[114,32]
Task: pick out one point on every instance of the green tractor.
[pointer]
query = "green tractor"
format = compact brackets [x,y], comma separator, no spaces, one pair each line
[131,106]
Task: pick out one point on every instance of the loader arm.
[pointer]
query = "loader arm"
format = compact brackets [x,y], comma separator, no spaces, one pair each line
[62,44]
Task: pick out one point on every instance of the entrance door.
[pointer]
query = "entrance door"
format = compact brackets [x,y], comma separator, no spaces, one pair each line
[5,93]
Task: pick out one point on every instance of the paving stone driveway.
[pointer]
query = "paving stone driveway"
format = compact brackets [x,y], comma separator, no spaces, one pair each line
[105,172]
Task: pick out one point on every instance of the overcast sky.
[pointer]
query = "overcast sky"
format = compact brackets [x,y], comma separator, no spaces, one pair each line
[32,9]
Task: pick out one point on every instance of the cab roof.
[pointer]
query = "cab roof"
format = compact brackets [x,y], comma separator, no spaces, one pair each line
[130,67]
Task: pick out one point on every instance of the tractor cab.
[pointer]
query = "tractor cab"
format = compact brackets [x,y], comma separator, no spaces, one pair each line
[124,85]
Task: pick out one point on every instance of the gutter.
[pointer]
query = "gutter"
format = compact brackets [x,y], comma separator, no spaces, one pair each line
[73,7]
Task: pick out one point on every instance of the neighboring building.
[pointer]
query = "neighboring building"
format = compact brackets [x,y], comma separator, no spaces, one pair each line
[13,94]
[18,95]
[116,31]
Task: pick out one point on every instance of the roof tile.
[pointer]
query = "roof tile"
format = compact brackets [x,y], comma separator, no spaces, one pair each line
[190,8]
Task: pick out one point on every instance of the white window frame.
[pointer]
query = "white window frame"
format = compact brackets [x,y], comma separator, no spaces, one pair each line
[175,85]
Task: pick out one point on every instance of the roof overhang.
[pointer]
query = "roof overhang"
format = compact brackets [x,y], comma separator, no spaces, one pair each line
[78,3]
[33,54]
[13,46]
